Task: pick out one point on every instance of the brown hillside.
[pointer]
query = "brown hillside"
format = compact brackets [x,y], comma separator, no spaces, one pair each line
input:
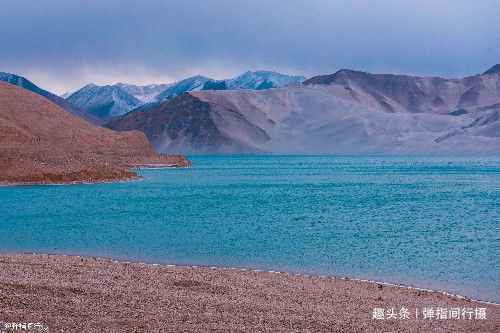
[42,143]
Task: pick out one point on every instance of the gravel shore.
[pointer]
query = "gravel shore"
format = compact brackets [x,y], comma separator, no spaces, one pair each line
[83,294]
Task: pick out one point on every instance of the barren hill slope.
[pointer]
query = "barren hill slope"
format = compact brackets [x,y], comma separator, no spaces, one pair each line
[42,143]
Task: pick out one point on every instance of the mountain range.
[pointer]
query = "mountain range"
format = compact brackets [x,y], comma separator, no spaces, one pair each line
[345,112]
[106,102]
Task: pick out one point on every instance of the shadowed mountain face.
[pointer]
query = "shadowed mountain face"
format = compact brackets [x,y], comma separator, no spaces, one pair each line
[493,70]
[104,102]
[347,112]
[189,125]
[145,94]
[259,80]
[26,84]
[42,143]
[179,88]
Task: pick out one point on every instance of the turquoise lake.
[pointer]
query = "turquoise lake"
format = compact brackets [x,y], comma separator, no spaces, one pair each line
[427,222]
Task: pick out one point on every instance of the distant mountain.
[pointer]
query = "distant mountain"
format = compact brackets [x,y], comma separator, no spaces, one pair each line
[42,143]
[176,89]
[347,112]
[145,94]
[400,93]
[26,84]
[258,80]
[104,102]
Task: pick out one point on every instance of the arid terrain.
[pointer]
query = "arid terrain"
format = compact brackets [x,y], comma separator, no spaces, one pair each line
[42,143]
[78,294]
[349,112]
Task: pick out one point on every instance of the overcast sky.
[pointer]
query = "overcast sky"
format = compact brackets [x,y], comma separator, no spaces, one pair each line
[64,44]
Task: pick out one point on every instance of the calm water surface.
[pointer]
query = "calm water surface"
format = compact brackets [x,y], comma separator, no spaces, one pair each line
[429,222]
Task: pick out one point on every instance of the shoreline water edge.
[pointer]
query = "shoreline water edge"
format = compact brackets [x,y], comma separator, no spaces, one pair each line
[133,169]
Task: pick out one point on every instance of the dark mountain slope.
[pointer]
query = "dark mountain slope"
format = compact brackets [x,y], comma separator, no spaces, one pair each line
[493,70]
[104,102]
[186,124]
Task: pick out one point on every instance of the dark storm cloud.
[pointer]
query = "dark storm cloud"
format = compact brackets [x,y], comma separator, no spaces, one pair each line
[63,44]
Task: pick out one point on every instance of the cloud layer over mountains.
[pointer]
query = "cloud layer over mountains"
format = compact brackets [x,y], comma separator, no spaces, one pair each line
[63,45]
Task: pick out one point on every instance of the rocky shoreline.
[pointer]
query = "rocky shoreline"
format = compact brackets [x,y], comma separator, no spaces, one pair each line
[96,175]
[74,294]
[85,177]
[74,182]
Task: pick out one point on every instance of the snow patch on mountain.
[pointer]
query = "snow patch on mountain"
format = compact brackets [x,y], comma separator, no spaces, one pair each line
[147,93]
[258,80]
[104,101]
[190,84]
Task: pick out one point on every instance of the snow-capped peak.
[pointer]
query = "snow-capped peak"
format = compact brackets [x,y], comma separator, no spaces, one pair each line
[256,80]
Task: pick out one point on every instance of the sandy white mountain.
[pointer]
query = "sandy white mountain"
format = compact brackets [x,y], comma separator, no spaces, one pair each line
[346,112]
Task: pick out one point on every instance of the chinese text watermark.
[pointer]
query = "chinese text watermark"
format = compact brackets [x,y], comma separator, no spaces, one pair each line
[429,313]
[22,327]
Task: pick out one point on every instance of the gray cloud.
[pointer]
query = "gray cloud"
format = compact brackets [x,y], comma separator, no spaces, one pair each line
[63,44]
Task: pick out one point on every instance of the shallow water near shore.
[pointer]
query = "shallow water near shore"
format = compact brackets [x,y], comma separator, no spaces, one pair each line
[425,221]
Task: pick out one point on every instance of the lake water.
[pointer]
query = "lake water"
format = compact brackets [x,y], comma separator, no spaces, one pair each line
[428,222]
